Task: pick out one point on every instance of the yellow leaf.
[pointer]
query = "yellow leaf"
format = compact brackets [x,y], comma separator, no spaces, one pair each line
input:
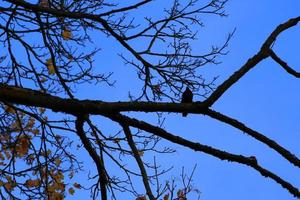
[181,194]
[8,186]
[8,178]
[66,34]
[22,146]
[35,131]
[7,154]
[30,159]
[43,80]
[141,198]
[50,66]
[61,186]
[77,185]
[166,197]
[9,109]
[14,184]
[31,122]
[51,188]
[49,61]
[32,183]
[55,196]
[141,153]
[16,126]
[71,191]
[58,176]
[42,110]
[48,152]
[57,161]
[51,69]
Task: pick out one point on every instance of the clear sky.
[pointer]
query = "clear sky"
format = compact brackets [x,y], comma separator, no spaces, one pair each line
[266,99]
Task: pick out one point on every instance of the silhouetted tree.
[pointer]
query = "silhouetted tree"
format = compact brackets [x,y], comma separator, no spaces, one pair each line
[48,55]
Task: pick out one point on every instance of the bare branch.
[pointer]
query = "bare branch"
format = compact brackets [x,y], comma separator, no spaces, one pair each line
[223,155]
[99,163]
[252,62]
[138,160]
[284,65]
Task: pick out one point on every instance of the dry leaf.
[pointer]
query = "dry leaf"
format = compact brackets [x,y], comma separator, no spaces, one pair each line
[141,153]
[32,183]
[71,191]
[8,186]
[50,66]
[43,80]
[77,185]
[44,3]
[166,197]
[57,161]
[66,34]
[9,109]
[141,198]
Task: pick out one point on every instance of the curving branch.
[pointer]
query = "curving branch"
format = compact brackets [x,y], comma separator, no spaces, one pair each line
[99,163]
[258,136]
[223,155]
[284,65]
[252,62]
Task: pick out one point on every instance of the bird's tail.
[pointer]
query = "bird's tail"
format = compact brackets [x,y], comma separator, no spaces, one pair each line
[184,114]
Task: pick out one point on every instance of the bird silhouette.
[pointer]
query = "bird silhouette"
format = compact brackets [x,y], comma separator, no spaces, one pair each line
[187,97]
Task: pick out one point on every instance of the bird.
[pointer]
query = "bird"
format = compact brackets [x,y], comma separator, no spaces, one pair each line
[187,97]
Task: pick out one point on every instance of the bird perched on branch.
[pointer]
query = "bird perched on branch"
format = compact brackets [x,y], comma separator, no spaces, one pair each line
[187,97]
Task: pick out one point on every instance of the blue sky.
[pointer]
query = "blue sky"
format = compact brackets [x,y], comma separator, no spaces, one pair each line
[266,99]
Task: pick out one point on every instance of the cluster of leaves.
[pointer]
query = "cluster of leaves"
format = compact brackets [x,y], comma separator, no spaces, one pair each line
[31,162]
[35,158]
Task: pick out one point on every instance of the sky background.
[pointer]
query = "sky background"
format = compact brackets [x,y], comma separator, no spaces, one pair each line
[266,99]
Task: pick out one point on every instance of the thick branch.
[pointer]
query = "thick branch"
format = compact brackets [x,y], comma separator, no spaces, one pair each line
[99,163]
[223,155]
[258,136]
[252,62]
[34,98]
[30,97]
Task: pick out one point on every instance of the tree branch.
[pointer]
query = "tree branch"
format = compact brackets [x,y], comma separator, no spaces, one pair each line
[223,155]
[135,6]
[283,64]
[138,159]
[99,163]
[252,62]
[258,136]
[35,98]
